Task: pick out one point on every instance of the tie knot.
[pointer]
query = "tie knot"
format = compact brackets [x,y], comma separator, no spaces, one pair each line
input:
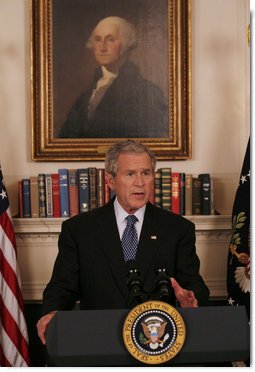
[131,219]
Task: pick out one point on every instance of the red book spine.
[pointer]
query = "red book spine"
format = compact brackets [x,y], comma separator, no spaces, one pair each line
[176,193]
[55,195]
[73,192]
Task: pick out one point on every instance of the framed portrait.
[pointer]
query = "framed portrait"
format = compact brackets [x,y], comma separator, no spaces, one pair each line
[107,70]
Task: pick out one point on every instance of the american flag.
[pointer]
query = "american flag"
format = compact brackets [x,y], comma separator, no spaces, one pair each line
[13,330]
[238,273]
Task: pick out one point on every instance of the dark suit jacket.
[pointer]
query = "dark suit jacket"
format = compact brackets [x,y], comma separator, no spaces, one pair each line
[131,107]
[90,266]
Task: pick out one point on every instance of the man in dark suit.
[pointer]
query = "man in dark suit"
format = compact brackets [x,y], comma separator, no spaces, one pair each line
[93,261]
[120,103]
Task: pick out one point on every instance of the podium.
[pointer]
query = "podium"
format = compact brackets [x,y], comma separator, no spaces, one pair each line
[214,334]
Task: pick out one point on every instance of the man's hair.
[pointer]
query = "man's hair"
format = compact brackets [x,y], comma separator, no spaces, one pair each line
[127,146]
[126,30]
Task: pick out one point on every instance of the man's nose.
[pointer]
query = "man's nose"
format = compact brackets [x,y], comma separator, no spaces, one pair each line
[139,180]
[103,45]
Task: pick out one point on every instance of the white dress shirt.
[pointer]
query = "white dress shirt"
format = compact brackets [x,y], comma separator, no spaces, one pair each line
[121,215]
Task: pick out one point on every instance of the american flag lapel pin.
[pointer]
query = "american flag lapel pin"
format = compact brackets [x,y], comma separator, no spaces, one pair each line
[153,237]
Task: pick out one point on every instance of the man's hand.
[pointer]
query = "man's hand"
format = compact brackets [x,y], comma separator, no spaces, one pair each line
[184,297]
[42,325]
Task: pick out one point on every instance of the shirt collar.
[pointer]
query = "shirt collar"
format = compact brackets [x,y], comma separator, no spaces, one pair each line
[108,74]
[121,214]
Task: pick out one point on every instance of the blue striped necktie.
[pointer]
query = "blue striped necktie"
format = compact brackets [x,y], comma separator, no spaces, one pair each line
[129,239]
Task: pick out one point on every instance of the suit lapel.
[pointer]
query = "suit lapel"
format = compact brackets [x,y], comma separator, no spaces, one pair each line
[109,243]
[148,243]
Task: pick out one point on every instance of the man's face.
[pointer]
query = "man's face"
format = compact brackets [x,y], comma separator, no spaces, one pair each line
[133,182]
[107,45]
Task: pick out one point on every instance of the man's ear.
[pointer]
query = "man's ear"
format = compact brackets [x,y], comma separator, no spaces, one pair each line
[110,180]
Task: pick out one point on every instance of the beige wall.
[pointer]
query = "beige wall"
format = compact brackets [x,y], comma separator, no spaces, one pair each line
[220,93]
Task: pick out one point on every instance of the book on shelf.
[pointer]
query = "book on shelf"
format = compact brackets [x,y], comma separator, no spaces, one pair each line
[182,193]
[205,193]
[64,192]
[176,192]
[34,196]
[20,199]
[55,195]
[26,198]
[212,197]
[166,188]
[42,195]
[100,187]
[196,196]
[48,195]
[92,188]
[73,192]
[83,189]
[157,189]
[188,194]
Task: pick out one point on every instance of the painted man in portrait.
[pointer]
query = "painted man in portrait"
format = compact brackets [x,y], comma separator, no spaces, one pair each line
[120,102]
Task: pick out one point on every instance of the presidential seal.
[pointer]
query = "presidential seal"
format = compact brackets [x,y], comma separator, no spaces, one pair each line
[154,332]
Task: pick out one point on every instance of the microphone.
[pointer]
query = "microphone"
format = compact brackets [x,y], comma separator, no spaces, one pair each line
[163,284]
[134,282]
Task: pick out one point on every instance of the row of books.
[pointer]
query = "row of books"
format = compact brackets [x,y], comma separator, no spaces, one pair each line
[183,193]
[72,191]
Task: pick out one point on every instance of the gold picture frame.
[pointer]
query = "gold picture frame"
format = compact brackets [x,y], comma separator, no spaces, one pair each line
[57,36]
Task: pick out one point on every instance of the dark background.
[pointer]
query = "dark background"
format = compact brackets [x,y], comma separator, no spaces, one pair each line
[74,65]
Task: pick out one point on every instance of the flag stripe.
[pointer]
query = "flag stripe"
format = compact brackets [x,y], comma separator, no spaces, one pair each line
[4,362]
[10,327]
[13,330]
[10,278]
[12,357]
[8,251]
[6,224]
[12,306]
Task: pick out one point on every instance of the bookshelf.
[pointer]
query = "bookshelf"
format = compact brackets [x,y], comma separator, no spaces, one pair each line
[37,240]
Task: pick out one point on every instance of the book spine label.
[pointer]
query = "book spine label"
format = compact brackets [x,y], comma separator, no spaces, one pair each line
[49,197]
[56,195]
[176,193]
[157,189]
[64,193]
[100,187]
[92,188]
[206,193]
[26,198]
[166,188]
[42,197]
[83,190]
